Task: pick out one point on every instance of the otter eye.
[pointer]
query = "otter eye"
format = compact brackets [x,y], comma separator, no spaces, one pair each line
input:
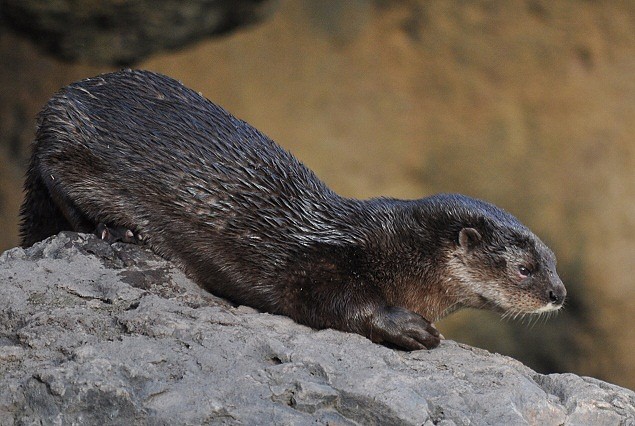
[524,271]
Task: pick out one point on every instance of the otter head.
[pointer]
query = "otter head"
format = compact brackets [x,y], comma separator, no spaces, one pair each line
[505,267]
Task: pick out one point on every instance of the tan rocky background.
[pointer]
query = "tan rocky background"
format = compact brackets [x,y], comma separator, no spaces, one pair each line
[528,104]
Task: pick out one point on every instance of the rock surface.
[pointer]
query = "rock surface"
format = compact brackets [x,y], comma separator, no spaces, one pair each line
[120,32]
[98,334]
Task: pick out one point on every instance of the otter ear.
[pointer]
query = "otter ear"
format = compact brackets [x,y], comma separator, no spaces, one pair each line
[469,238]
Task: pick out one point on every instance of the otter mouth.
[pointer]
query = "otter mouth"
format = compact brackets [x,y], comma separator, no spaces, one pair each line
[518,310]
[549,307]
[523,312]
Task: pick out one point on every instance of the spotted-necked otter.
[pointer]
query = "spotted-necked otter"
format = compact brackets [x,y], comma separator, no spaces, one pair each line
[137,156]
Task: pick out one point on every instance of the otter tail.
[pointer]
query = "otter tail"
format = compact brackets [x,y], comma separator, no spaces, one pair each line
[40,215]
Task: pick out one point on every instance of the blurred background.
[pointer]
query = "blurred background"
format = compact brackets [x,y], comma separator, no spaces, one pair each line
[529,104]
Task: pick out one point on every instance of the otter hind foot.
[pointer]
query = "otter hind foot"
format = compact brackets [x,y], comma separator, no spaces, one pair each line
[404,328]
[113,234]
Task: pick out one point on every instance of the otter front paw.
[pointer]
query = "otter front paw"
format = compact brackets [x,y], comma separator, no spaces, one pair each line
[403,328]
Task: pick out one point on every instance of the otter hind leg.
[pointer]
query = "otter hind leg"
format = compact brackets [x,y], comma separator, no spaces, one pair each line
[80,222]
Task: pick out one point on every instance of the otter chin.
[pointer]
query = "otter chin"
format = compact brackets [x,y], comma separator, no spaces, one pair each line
[549,307]
[135,156]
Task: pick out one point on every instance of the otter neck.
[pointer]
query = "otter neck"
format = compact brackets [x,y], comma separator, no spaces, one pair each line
[408,261]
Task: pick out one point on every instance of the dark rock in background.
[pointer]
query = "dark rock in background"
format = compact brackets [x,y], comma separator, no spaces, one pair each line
[98,334]
[120,32]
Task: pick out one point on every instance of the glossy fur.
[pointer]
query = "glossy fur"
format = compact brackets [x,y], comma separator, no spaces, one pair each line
[138,151]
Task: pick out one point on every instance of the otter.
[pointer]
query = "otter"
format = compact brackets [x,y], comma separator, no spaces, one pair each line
[136,156]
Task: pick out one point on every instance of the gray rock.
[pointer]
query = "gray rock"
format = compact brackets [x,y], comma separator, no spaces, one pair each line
[98,334]
[120,32]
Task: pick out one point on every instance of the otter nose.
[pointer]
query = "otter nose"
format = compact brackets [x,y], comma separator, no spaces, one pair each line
[557,293]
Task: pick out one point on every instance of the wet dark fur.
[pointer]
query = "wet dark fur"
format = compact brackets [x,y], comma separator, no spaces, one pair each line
[136,150]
